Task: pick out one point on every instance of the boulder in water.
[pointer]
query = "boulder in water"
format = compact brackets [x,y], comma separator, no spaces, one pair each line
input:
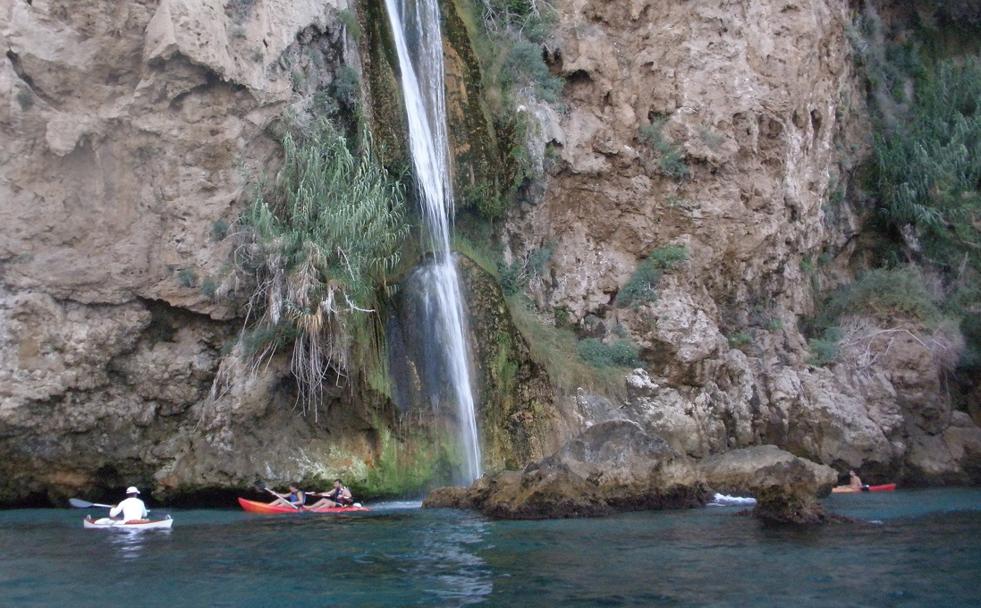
[612,466]
[751,469]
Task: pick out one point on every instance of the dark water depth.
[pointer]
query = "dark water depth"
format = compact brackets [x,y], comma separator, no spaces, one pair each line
[926,551]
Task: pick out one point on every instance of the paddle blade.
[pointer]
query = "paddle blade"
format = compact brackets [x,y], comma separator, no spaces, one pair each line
[78,503]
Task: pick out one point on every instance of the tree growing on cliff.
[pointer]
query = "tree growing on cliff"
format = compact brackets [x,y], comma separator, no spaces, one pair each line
[319,240]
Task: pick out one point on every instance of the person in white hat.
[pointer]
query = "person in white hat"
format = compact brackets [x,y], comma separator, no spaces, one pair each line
[132,507]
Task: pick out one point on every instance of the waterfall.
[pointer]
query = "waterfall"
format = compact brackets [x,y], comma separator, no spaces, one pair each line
[417,22]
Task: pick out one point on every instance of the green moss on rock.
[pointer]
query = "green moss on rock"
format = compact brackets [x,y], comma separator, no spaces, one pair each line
[516,412]
[385,106]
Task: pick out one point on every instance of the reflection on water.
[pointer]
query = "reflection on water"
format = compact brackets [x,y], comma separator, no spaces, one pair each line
[128,544]
[926,552]
[448,561]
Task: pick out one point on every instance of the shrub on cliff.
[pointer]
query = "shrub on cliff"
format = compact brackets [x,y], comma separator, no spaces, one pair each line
[928,170]
[517,30]
[642,285]
[670,156]
[925,89]
[619,353]
[320,240]
[892,296]
[510,41]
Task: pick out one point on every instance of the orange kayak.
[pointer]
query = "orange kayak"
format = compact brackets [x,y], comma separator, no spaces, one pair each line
[253,506]
[886,487]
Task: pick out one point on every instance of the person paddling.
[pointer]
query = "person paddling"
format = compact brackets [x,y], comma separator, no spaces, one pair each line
[132,508]
[340,496]
[854,482]
[295,499]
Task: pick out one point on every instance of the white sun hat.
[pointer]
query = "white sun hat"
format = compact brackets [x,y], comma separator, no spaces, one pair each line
[132,490]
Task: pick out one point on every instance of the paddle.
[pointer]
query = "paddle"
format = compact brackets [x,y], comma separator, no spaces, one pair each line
[262,486]
[78,503]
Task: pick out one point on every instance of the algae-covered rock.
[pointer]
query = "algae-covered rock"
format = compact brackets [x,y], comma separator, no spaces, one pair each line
[514,401]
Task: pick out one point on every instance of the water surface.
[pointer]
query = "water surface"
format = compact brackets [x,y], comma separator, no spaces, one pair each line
[925,552]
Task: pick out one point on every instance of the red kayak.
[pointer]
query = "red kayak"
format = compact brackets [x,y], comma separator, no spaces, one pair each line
[886,487]
[253,506]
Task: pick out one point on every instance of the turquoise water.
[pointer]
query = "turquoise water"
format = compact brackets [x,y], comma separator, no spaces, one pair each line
[925,552]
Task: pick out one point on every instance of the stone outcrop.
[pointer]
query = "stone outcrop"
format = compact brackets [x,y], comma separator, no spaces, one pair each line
[785,486]
[752,470]
[616,466]
[612,466]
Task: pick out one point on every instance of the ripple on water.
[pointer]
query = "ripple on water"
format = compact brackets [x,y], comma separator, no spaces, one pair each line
[926,552]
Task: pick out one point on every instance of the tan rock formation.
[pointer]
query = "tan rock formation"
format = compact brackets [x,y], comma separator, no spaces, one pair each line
[128,131]
[126,128]
[762,104]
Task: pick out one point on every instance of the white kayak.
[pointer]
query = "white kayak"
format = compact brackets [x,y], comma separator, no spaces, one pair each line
[133,524]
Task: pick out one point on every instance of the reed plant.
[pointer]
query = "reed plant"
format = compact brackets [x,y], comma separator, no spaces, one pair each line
[321,240]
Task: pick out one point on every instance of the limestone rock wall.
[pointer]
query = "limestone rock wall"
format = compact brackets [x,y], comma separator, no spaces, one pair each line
[762,104]
[129,130]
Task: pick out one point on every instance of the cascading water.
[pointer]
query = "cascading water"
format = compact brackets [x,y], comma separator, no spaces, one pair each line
[417,22]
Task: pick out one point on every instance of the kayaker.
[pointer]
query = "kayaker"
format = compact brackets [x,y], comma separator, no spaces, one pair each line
[854,482]
[340,496]
[295,499]
[132,508]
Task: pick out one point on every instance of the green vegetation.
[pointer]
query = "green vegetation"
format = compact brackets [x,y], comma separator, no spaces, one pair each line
[350,21]
[219,230]
[322,240]
[924,87]
[739,339]
[557,349]
[187,277]
[513,54]
[886,293]
[514,277]
[883,293]
[399,472]
[928,170]
[619,353]
[346,87]
[824,349]
[670,156]
[508,39]
[209,288]
[25,99]
[642,286]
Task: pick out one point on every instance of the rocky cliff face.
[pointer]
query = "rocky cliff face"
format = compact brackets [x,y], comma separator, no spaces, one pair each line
[130,130]
[730,130]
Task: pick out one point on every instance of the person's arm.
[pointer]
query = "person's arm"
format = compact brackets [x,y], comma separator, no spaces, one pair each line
[113,512]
